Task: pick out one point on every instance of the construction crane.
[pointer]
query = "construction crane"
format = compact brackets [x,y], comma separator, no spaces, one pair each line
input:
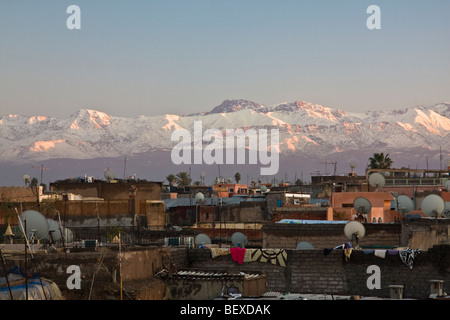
[41,167]
[330,162]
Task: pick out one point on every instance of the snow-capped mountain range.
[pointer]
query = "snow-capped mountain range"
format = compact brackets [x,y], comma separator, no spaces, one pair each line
[303,127]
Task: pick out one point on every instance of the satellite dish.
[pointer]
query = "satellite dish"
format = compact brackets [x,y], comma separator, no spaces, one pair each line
[446,212]
[199,197]
[202,239]
[352,165]
[376,180]
[26,178]
[35,223]
[304,246]
[447,184]
[68,235]
[354,231]
[433,205]
[263,188]
[239,239]
[109,175]
[54,230]
[404,204]
[362,205]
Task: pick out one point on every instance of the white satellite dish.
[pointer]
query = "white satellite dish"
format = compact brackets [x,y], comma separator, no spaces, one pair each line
[36,225]
[433,205]
[446,212]
[362,205]
[54,230]
[354,231]
[263,188]
[68,235]
[239,239]
[304,245]
[202,239]
[352,165]
[26,178]
[447,185]
[377,180]
[404,204]
[109,175]
[199,197]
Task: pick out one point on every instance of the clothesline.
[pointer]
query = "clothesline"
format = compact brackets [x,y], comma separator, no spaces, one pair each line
[240,255]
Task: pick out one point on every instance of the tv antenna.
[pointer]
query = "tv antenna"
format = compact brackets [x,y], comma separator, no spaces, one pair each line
[362,206]
[354,231]
[377,180]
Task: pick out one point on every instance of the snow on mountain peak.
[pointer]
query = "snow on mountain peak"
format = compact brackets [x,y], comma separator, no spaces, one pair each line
[304,127]
[228,106]
[88,116]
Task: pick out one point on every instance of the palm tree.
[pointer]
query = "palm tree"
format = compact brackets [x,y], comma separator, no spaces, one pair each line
[237,177]
[380,161]
[183,179]
[171,179]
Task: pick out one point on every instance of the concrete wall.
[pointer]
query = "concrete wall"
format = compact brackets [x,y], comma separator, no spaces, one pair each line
[138,271]
[110,191]
[425,233]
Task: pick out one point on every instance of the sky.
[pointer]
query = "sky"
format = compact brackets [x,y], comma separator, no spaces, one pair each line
[153,57]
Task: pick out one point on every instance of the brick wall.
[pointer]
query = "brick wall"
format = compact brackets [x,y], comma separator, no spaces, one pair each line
[279,235]
[311,271]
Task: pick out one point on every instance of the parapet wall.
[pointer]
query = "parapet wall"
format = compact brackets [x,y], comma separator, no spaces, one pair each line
[313,271]
[284,235]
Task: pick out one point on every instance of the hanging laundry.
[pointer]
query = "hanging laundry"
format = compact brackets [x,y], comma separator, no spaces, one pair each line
[276,257]
[238,254]
[341,246]
[407,256]
[368,251]
[380,253]
[215,252]
[347,253]
[393,252]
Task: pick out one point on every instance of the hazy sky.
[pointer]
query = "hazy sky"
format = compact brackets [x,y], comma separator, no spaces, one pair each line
[153,57]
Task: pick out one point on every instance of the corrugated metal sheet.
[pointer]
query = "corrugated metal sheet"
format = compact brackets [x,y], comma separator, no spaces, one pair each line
[170,203]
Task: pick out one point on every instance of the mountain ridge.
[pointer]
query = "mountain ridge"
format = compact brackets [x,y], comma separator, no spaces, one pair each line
[304,128]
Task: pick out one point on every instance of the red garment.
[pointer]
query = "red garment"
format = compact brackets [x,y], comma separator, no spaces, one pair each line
[238,254]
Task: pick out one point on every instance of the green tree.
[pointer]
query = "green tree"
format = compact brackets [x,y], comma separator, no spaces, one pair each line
[380,161]
[183,179]
[237,177]
[171,179]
